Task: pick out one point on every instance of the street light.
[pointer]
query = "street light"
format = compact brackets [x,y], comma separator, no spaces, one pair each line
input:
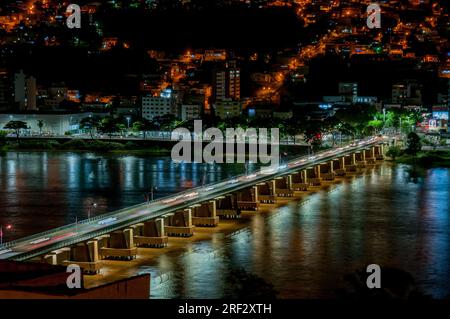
[149,196]
[152,189]
[90,207]
[8,227]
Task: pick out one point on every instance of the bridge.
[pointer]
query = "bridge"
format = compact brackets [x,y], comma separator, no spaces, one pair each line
[117,234]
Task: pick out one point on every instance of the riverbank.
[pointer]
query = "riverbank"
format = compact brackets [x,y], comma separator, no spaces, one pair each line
[436,158]
[83,145]
[135,147]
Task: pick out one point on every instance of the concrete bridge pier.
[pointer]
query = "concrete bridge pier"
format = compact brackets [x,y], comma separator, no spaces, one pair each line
[370,156]
[248,199]
[120,245]
[379,152]
[299,182]
[266,192]
[227,207]
[327,171]
[179,224]
[205,214]
[85,255]
[350,164]
[314,177]
[361,159]
[151,234]
[339,167]
[283,187]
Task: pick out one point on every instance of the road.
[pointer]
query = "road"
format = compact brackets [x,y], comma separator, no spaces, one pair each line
[42,243]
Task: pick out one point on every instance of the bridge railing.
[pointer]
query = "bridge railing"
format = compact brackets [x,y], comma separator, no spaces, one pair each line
[137,206]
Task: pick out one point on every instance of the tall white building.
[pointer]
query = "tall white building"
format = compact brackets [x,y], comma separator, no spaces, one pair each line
[227,83]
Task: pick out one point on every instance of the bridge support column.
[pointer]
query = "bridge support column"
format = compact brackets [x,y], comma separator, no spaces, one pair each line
[121,246]
[317,171]
[380,155]
[152,234]
[256,194]
[328,172]
[205,214]
[179,223]
[342,159]
[266,192]
[289,181]
[298,183]
[282,188]
[93,250]
[227,206]
[305,176]
[86,256]
[316,179]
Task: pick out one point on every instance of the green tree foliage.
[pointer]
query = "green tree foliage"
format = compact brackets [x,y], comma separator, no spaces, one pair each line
[108,125]
[356,117]
[40,124]
[394,152]
[167,122]
[3,138]
[16,126]
[90,123]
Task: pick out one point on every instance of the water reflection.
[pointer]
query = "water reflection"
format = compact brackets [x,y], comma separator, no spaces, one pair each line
[386,217]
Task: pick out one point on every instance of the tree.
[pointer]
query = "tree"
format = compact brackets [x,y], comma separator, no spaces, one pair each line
[144,126]
[108,125]
[121,128]
[356,118]
[89,123]
[394,152]
[40,124]
[413,144]
[16,126]
[167,122]
[3,138]
[377,125]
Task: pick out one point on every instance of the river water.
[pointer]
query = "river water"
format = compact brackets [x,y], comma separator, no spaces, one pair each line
[392,216]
